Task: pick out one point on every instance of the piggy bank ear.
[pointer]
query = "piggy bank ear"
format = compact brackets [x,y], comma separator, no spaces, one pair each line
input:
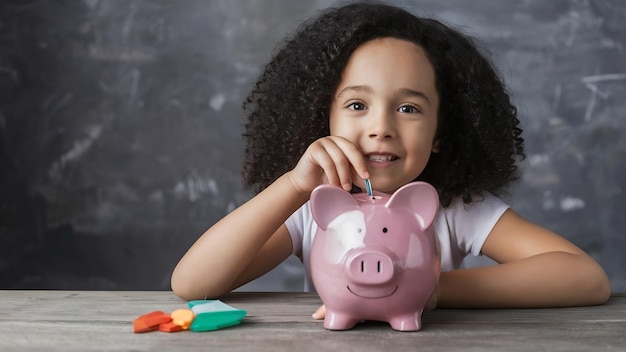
[327,202]
[420,198]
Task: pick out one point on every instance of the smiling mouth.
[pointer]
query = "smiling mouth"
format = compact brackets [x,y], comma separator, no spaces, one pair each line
[381,158]
[370,294]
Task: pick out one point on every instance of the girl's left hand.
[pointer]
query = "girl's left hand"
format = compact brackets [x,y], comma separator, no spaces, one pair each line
[320,313]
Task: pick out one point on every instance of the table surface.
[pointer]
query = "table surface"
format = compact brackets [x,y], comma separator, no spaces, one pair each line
[102,320]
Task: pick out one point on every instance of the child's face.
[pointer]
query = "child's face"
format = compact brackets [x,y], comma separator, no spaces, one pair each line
[387,105]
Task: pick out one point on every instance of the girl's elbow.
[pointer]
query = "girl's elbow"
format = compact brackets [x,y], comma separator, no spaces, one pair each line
[599,286]
[189,289]
[184,286]
[603,291]
[181,287]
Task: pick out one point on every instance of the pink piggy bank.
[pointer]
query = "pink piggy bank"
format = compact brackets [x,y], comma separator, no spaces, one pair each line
[375,257]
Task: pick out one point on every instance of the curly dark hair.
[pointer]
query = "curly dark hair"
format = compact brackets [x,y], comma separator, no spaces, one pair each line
[478,131]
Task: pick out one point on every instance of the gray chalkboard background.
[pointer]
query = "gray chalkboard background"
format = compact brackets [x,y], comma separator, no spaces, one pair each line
[121,121]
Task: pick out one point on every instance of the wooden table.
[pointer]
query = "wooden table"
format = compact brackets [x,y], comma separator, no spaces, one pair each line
[102,321]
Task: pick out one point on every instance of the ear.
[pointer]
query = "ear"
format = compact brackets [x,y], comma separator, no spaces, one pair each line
[420,198]
[327,202]
[435,148]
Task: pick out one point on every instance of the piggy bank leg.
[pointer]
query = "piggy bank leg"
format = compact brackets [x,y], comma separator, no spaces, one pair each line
[407,322]
[339,321]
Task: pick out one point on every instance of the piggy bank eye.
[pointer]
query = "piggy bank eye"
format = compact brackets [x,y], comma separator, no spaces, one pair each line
[385,230]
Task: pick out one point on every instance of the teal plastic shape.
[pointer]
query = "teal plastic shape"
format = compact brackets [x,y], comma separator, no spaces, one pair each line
[214,315]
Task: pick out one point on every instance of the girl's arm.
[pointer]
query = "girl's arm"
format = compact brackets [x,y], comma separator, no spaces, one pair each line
[253,239]
[242,246]
[538,268]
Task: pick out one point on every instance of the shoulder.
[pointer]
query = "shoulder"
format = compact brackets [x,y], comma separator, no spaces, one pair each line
[301,227]
[468,224]
[300,217]
[482,207]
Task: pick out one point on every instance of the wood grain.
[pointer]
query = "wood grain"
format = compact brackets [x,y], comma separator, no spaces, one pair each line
[102,321]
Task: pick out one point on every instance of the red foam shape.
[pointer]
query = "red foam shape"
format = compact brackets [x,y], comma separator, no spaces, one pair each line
[150,321]
[170,327]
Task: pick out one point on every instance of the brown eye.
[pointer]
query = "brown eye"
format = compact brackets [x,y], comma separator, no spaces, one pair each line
[356,106]
[408,109]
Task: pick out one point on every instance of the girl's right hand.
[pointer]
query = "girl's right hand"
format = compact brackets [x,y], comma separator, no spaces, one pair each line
[329,160]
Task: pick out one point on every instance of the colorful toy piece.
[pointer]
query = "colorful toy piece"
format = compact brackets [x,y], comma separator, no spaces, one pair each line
[170,327]
[214,314]
[202,315]
[183,317]
[375,257]
[150,321]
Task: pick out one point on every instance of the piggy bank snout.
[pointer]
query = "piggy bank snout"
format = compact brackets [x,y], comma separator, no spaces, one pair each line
[370,267]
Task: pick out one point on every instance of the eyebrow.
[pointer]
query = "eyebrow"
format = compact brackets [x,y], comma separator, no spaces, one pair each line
[362,88]
[368,89]
[415,93]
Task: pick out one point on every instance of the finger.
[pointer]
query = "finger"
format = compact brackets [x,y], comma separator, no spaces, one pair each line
[340,160]
[320,313]
[354,155]
[335,165]
[322,156]
[342,168]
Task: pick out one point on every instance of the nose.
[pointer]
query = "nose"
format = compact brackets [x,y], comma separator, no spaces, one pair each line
[370,267]
[380,126]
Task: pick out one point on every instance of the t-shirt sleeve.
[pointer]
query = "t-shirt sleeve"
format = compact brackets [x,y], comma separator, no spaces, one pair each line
[302,230]
[472,223]
[295,225]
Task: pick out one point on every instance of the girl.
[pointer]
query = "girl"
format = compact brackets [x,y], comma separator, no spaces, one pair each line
[369,91]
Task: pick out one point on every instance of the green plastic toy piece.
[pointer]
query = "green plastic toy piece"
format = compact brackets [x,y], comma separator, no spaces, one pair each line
[214,315]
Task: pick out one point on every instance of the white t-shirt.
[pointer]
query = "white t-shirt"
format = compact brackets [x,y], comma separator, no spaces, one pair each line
[461,229]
